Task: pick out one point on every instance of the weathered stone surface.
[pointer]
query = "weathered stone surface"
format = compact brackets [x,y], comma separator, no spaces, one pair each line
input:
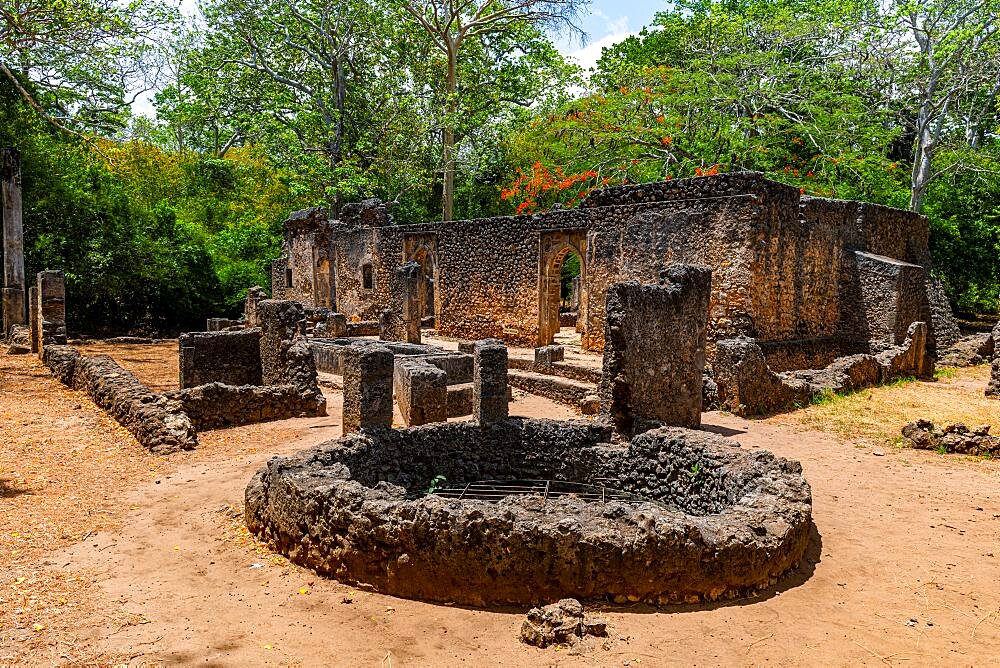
[993,388]
[231,358]
[718,521]
[408,277]
[654,350]
[969,350]
[892,295]
[217,405]
[61,361]
[11,216]
[367,388]
[747,386]
[158,423]
[489,382]
[784,266]
[549,354]
[222,324]
[336,325]
[956,437]
[19,341]
[51,308]
[564,390]
[563,622]
[580,372]
[255,295]
[421,391]
[390,326]
[285,354]
[34,334]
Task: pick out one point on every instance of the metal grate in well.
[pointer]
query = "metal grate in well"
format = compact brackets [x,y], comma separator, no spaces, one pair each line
[496,490]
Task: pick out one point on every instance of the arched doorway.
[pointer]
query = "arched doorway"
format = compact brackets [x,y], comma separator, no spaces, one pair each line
[561,283]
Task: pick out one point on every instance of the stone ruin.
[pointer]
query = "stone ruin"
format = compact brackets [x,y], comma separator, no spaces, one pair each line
[957,438]
[654,349]
[809,279]
[993,389]
[746,385]
[502,509]
[525,511]
[226,378]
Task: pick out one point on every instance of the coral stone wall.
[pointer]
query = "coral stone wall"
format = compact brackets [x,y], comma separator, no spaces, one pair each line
[783,264]
[716,522]
[232,358]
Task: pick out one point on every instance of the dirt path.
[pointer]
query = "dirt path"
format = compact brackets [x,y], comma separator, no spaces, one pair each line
[905,568]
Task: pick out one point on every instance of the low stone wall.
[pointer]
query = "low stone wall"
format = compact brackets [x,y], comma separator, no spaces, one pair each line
[328,355]
[584,374]
[285,353]
[993,388]
[810,353]
[158,423]
[746,385]
[563,390]
[232,358]
[969,350]
[61,361]
[217,405]
[713,521]
[363,328]
[167,422]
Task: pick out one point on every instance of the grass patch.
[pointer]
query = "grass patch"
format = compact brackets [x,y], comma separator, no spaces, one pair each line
[878,414]
[945,372]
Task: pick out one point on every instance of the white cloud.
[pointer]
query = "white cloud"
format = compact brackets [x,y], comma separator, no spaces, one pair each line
[615,30]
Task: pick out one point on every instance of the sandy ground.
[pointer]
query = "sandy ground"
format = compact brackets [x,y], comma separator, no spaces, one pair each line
[111,555]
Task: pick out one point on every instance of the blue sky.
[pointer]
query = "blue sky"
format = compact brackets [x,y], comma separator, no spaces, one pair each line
[607,22]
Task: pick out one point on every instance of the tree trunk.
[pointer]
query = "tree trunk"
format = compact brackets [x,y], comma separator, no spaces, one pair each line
[448,137]
[922,155]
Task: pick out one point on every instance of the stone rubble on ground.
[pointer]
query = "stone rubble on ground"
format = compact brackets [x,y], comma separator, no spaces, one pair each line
[560,623]
[956,437]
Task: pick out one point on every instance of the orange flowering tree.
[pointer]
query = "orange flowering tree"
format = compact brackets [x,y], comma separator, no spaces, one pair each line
[712,92]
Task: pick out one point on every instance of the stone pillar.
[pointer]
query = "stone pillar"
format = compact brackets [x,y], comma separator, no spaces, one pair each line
[489,381]
[367,387]
[51,308]
[390,326]
[408,276]
[421,391]
[336,325]
[255,295]
[33,321]
[13,241]
[285,354]
[654,350]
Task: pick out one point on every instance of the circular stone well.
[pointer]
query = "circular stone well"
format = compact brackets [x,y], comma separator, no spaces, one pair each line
[702,519]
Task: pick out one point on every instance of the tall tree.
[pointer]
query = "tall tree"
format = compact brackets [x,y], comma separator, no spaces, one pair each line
[956,82]
[451,24]
[81,63]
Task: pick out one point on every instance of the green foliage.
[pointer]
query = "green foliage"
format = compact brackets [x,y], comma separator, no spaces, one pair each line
[826,97]
[149,242]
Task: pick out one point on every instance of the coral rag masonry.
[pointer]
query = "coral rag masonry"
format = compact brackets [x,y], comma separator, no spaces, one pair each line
[808,279]
[674,516]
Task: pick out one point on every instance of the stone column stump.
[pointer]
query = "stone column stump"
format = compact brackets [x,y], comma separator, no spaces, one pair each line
[367,388]
[489,382]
